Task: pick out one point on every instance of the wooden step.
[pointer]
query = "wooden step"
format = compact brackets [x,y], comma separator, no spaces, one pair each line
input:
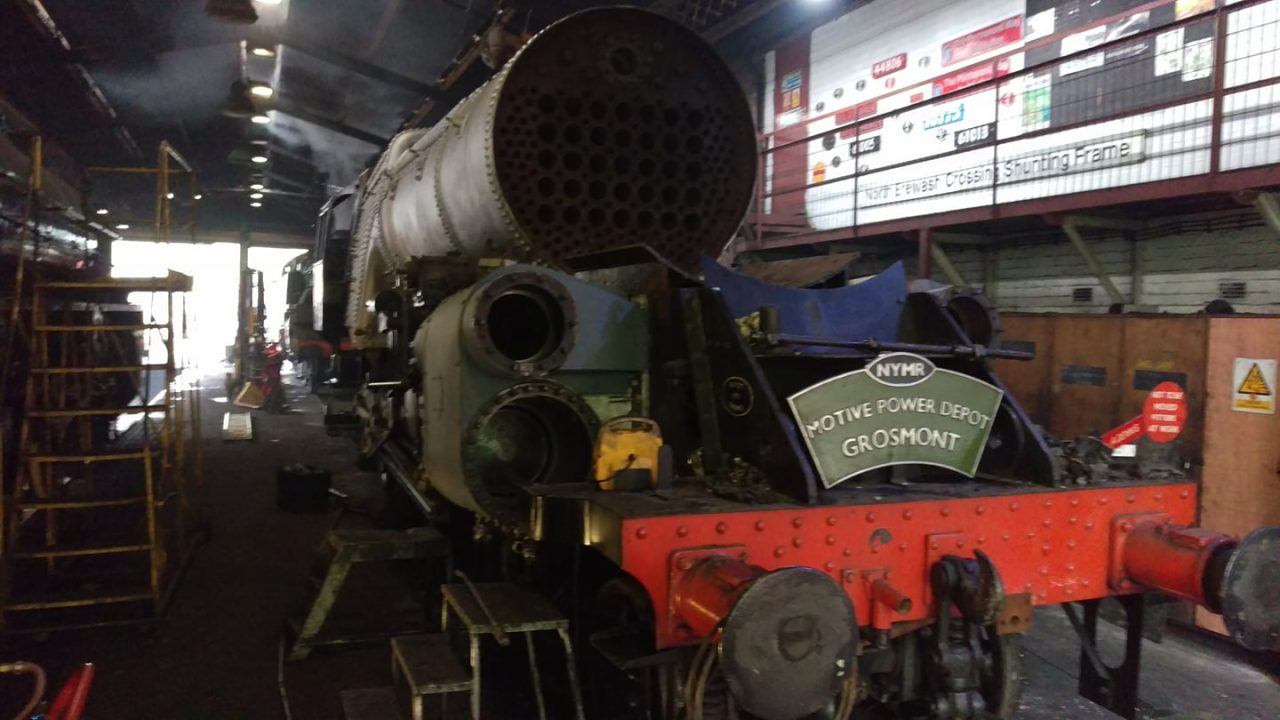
[513,606]
[175,282]
[76,598]
[95,458]
[428,664]
[82,504]
[98,370]
[134,327]
[64,550]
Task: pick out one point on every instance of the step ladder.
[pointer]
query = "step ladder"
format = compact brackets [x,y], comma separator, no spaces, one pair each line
[99,524]
[344,549]
[427,664]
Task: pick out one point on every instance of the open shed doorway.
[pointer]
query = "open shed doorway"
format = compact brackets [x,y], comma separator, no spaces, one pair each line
[211,305]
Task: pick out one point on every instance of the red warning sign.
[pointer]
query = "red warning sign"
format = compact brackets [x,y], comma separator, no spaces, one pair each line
[1126,434]
[1165,412]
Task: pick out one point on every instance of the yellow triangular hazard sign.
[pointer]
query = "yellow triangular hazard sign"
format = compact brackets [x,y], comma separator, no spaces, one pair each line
[1254,383]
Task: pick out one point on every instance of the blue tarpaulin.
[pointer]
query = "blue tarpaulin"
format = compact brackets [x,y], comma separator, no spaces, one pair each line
[869,310]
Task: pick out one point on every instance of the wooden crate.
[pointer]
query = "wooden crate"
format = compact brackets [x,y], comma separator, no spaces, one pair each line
[1093,372]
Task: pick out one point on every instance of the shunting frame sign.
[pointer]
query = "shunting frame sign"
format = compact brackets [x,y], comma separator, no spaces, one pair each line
[1254,385]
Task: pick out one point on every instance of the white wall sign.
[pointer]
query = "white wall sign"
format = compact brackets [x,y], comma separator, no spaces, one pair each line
[1254,386]
[1049,163]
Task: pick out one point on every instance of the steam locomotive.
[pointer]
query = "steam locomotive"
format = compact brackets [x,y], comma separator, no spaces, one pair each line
[789,502]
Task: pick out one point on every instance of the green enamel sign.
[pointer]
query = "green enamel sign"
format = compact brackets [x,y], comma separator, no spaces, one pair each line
[899,410]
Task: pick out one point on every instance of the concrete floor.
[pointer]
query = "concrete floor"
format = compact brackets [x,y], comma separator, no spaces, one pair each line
[215,655]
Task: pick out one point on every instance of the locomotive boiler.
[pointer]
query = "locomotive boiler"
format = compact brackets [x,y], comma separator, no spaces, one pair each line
[845,508]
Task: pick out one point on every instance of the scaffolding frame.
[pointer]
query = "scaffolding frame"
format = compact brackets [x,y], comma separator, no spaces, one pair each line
[67,470]
[164,172]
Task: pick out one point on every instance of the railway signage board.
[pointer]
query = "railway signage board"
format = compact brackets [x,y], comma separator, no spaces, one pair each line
[900,409]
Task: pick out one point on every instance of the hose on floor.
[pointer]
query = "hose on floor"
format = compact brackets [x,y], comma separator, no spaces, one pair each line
[284,692]
[27,668]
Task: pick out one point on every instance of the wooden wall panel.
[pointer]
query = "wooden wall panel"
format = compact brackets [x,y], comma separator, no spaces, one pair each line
[1130,349]
[1165,346]
[1028,380]
[1240,487]
[1084,344]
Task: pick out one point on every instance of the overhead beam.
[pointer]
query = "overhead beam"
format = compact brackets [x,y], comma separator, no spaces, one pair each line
[924,253]
[943,261]
[286,180]
[963,239]
[258,239]
[1107,223]
[991,274]
[743,18]
[1072,232]
[294,110]
[1268,206]
[38,16]
[366,69]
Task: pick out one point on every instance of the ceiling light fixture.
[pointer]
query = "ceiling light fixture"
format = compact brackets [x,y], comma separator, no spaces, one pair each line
[261,119]
[261,89]
[102,211]
[264,52]
[197,196]
[255,204]
[259,159]
[256,196]
[169,196]
[122,226]
[256,186]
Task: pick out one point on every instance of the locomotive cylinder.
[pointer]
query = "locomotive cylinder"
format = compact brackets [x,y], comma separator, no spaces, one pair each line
[1238,578]
[1180,561]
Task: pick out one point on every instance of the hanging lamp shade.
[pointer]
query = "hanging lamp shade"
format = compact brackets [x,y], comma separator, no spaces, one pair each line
[240,12]
[239,104]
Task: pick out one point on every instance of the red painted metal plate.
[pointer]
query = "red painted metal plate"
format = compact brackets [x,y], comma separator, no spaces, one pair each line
[1055,545]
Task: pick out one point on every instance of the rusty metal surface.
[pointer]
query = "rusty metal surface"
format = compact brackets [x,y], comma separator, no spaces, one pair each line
[1015,614]
[800,272]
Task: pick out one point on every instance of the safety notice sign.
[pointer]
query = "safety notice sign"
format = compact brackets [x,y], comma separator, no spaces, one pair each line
[1165,412]
[1254,384]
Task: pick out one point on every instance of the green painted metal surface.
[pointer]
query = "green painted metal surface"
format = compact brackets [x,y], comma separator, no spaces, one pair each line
[899,410]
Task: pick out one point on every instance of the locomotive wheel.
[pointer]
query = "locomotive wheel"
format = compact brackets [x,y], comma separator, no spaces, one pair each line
[716,702]
[1002,676]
